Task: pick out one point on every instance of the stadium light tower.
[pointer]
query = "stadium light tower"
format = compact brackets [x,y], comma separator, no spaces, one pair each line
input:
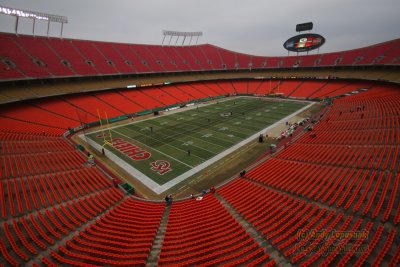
[34,16]
[179,34]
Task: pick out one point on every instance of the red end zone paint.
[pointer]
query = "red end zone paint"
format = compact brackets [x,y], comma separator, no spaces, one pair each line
[136,153]
[132,151]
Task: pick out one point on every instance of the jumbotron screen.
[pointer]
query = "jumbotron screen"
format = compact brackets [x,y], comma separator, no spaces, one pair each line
[304,42]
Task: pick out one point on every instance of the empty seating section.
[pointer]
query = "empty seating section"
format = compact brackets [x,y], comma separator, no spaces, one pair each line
[200,58]
[141,99]
[376,53]
[258,62]
[163,59]
[243,61]
[37,173]
[147,58]
[23,62]
[240,87]
[41,51]
[214,238]
[309,61]
[130,58]
[114,57]
[205,90]
[33,114]
[191,92]
[254,86]
[29,235]
[273,62]
[352,150]
[227,87]
[180,95]
[391,57]
[268,87]
[25,127]
[201,93]
[348,155]
[216,88]
[119,102]
[303,232]
[160,96]
[185,55]
[307,88]
[122,237]
[330,59]
[89,52]
[71,56]
[46,193]
[57,105]
[181,63]
[290,62]
[36,192]
[213,57]
[352,57]
[39,57]
[330,89]
[228,59]
[286,88]
[91,105]
[53,159]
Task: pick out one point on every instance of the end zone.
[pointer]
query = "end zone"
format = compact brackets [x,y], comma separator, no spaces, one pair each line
[135,152]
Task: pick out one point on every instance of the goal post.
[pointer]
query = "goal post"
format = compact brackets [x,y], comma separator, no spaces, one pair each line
[105,129]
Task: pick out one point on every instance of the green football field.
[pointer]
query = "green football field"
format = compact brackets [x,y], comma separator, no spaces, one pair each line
[165,147]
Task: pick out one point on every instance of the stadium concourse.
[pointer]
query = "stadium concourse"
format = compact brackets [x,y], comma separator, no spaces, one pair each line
[331,198]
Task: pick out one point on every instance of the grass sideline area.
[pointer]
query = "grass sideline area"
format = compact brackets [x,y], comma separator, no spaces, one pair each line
[165,147]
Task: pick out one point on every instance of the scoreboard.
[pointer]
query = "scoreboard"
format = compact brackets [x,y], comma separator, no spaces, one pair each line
[304,42]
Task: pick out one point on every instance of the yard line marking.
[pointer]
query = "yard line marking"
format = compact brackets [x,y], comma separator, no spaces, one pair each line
[154,149]
[202,159]
[184,176]
[202,148]
[218,136]
[204,140]
[189,121]
[188,143]
[181,135]
[232,129]
[162,188]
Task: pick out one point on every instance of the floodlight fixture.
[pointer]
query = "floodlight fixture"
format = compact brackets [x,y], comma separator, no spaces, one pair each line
[34,16]
[178,34]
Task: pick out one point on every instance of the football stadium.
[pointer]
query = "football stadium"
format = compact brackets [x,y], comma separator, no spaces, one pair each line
[127,154]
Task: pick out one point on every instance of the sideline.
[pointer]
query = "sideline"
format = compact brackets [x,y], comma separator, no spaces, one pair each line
[157,188]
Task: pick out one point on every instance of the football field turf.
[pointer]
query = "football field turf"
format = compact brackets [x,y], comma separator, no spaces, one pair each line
[182,143]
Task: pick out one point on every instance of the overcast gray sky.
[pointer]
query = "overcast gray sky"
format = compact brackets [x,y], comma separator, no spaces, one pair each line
[258,27]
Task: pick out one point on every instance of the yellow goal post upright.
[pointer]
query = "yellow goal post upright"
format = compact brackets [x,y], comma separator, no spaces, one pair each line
[105,130]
